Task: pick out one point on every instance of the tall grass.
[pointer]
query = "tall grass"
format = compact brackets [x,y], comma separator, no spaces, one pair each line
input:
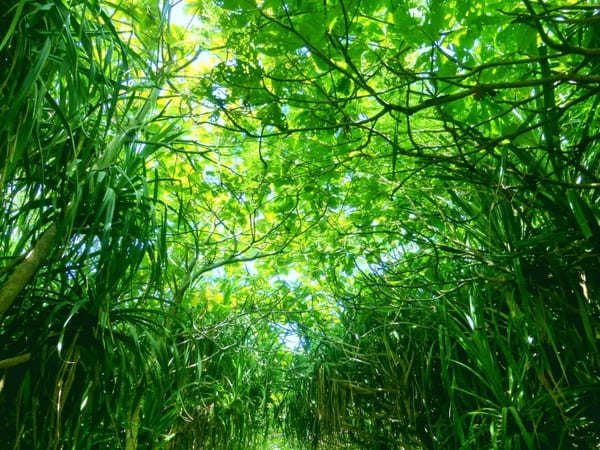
[485,337]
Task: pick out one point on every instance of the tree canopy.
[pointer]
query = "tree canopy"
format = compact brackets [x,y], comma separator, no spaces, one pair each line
[307,224]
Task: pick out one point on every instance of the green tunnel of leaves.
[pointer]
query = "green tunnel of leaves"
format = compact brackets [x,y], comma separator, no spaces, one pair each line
[367,224]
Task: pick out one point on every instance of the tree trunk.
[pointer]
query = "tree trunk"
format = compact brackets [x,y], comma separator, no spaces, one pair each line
[25,270]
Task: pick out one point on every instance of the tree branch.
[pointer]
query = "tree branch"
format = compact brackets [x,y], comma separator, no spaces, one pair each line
[25,270]
[14,361]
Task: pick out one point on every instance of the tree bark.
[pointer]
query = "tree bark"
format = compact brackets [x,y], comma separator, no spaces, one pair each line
[26,269]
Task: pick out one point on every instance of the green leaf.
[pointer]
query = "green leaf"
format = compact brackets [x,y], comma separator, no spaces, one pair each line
[582,213]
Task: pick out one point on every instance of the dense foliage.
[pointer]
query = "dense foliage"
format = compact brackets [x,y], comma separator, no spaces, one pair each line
[331,224]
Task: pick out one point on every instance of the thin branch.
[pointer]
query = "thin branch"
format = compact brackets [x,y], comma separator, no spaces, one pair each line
[14,361]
